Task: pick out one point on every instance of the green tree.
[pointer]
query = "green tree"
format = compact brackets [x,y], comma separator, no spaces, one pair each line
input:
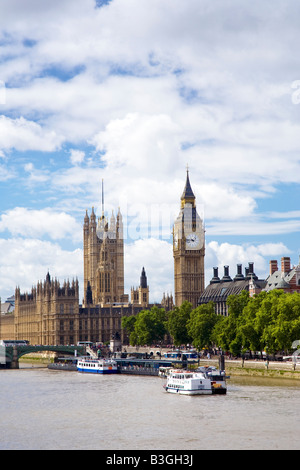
[280,316]
[269,320]
[288,320]
[226,333]
[201,325]
[221,334]
[247,327]
[150,326]
[177,324]
[237,303]
[128,323]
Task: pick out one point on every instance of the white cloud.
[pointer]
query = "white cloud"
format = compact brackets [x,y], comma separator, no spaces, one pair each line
[79,180]
[187,73]
[145,156]
[35,176]
[40,223]
[152,86]
[22,134]
[24,262]
[254,226]
[223,202]
[140,143]
[227,103]
[76,156]
[273,249]
[226,254]
[6,173]
[285,215]
[157,259]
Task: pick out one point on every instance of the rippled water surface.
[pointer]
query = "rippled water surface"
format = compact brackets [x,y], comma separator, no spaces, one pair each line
[43,409]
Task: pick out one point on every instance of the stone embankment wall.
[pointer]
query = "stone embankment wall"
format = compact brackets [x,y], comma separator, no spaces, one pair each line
[258,368]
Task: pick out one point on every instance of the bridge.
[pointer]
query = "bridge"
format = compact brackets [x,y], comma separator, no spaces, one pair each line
[13,353]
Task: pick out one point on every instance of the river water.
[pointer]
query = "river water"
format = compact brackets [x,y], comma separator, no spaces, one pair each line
[44,409]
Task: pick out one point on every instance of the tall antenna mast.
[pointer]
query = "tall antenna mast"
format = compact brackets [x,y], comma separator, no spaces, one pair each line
[102,199]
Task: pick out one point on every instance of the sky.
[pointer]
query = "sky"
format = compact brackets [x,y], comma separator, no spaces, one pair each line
[131,92]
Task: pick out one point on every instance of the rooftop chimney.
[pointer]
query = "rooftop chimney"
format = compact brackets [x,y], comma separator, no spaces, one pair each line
[273,266]
[239,274]
[285,264]
[216,278]
[251,273]
[226,276]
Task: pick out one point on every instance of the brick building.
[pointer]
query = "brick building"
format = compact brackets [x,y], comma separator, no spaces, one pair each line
[287,278]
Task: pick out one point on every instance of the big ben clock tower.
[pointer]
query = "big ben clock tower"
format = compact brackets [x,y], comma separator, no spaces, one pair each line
[188,250]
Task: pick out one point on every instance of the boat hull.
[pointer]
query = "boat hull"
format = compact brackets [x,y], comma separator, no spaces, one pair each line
[219,391]
[97,371]
[96,366]
[188,392]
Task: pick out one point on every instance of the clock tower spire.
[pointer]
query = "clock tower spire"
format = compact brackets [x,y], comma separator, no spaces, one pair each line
[188,249]
[188,196]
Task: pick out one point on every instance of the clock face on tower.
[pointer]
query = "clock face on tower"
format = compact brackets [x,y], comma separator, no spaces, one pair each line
[192,241]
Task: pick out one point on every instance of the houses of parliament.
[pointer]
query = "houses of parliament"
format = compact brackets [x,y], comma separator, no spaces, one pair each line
[51,313]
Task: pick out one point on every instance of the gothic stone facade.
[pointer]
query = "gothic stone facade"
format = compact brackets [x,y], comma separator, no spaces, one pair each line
[103,252]
[51,315]
[48,315]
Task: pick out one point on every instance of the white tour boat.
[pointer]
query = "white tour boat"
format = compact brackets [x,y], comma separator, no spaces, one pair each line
[217,377]
[187,382]
[97,366]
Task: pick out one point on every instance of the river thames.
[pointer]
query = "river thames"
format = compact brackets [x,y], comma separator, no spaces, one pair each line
[43,409]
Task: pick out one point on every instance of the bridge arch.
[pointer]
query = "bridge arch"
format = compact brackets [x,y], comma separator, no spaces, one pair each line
[14,353]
